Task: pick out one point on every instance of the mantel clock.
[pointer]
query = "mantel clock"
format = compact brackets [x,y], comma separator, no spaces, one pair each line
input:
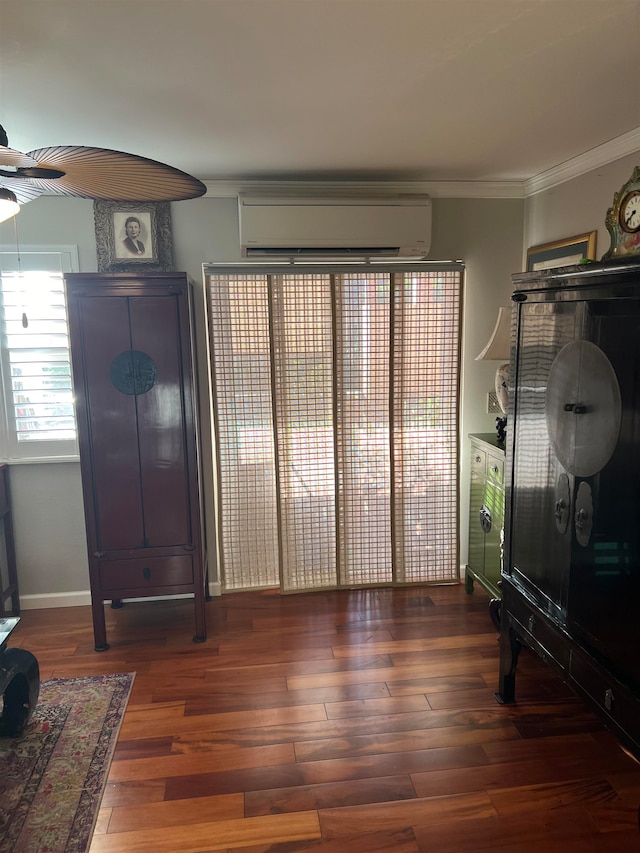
[623,219]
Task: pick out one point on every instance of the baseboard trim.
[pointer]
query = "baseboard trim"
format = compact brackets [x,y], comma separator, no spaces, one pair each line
[83,598]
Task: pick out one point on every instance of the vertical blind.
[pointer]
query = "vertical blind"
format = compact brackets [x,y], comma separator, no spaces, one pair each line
[336,424]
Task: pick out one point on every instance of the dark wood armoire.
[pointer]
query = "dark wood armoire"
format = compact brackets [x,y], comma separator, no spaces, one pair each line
[571,574]
[133,365]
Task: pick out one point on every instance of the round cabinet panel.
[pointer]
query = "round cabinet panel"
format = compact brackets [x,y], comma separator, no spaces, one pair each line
[583,408]
[133,372]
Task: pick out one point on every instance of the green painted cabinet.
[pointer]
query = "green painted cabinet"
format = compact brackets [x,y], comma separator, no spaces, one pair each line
[486,514]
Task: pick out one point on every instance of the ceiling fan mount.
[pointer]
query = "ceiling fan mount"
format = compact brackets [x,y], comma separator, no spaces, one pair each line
[94,173]
[31,172]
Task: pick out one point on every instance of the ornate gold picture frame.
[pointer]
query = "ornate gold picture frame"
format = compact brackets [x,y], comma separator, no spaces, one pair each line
[562,253]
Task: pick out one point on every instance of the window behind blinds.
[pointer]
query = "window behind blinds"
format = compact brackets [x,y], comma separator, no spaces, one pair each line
[37,391]
[336,423]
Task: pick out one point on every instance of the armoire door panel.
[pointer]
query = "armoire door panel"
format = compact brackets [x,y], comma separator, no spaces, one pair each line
[131,344]
[155,330]
[113,426]
[539,549]
[605,564]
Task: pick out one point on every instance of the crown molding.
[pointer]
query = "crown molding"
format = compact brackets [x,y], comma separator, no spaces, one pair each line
[434,189]
[608,152]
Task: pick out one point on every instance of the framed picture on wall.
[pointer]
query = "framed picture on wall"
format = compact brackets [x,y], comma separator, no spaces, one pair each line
[133,236]
[562,253]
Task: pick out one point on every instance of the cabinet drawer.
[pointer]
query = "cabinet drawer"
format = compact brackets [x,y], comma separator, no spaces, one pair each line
[141,574]
[543,636]
[495,470]
[478,461]
[614,699]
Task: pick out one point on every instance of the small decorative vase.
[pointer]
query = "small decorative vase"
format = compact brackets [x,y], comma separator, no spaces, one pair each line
[502,386]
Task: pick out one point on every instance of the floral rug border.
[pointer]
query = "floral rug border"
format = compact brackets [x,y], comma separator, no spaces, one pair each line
[66,752]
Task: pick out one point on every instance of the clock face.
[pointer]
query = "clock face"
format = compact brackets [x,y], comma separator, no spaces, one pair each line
[630,212]
[623,219]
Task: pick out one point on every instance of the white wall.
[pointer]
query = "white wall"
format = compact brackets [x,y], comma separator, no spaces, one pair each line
[487,236]
[51,545]
[577,206]
[49,526]
[490,236]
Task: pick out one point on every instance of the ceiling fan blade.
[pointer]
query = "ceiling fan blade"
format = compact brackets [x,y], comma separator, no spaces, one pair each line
[102,174]
[23,190]
[11,157]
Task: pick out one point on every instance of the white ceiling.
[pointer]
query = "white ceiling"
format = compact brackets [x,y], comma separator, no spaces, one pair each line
[327,90]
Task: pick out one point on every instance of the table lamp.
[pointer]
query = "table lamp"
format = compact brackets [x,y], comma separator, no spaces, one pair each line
[498,348]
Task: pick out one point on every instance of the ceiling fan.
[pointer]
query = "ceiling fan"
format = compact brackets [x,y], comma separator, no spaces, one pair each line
[95,173]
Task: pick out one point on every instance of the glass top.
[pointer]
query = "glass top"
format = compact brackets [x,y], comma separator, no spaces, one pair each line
[7,624]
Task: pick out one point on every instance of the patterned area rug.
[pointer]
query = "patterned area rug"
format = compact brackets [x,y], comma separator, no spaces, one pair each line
[52,777]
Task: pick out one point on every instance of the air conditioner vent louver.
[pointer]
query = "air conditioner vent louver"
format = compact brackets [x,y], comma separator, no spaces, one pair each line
[389,226]
[327,251]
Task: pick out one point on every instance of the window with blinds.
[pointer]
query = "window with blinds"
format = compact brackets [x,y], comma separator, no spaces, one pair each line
[37,391]
[336,424]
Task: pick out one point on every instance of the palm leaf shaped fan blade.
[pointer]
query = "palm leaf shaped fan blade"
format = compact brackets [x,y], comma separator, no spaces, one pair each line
[95,173]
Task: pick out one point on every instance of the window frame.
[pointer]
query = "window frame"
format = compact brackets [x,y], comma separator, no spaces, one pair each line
[13,260]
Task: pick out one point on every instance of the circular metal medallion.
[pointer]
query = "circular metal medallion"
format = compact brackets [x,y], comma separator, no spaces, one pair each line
[583,408]
[133,372]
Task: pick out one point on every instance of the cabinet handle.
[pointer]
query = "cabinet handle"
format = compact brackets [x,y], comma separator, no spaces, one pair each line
[494,469]
[576,408]
[478,459]
[609,700]
[532,623]
[146,573]
[582,519]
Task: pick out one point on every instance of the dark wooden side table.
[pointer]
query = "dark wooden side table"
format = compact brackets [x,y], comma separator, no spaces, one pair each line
[8,573]
[19,682]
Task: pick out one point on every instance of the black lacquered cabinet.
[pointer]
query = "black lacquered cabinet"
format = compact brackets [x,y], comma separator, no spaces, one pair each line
[571,578]
[134,381]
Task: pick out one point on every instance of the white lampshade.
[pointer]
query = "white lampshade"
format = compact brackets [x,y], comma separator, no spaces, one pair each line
[499,349]
[499,346]
[8,204]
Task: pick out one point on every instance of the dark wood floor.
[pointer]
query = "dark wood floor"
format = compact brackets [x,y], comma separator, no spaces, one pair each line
[348,722]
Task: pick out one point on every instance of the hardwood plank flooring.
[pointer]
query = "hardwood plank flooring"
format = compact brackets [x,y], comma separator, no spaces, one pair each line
[341,722]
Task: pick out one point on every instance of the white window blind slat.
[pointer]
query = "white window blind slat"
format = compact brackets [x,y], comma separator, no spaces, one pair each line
[37,389]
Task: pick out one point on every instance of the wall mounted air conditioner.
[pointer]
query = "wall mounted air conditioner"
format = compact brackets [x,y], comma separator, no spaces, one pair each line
[387,226]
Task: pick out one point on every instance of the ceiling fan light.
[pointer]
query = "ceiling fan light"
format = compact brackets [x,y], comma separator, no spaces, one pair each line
[8,204]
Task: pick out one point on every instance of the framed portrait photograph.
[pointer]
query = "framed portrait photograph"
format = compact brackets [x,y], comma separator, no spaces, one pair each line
[562,253]
[132,236]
